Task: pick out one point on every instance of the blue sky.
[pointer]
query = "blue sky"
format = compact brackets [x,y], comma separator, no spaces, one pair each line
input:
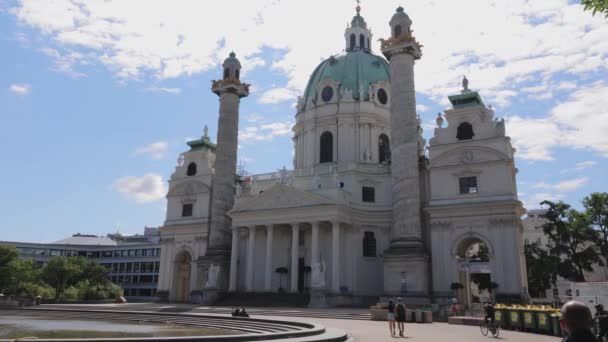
[97,98]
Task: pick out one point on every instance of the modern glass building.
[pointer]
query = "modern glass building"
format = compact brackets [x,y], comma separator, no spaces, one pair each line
[133,261]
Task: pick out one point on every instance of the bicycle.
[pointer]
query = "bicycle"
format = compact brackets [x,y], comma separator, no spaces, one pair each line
[489,327]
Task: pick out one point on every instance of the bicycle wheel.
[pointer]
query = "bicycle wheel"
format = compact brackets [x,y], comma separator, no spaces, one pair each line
[484,328]
[495,331]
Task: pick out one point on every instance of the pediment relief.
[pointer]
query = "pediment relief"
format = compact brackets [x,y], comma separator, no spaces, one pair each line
[368,182]
[188,188]
[467,156]
[281,196]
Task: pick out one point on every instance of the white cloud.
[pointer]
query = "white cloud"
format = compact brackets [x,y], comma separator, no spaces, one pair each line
[147,188]
[533,201]
[585,165]
[164,90]
[179,40]
[421,108]
[563,186]
[265,132]
[156,150]
[254,117]
[19,89]
[277,95]
[576,123]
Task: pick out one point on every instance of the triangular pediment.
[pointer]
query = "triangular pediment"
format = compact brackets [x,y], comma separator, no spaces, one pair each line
[281,196]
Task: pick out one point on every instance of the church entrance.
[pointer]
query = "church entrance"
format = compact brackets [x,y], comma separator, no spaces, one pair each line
[183,263]
[474,271]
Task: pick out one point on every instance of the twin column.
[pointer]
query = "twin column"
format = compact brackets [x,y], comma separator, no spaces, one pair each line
[295,253]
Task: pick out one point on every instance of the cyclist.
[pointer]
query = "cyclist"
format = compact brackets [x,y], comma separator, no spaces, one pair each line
[489,312]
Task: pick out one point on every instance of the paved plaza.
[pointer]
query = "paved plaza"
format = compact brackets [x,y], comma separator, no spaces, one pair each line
[355,321]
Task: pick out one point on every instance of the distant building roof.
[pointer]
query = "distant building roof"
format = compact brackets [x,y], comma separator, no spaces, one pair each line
[88,240]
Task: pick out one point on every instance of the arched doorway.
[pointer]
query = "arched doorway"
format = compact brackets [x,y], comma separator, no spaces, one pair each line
[473,258]
[183,263]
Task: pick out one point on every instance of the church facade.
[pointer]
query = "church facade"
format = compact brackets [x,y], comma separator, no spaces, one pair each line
[368,211]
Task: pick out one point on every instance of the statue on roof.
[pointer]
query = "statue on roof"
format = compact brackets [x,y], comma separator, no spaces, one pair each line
[206,132]
[465,84]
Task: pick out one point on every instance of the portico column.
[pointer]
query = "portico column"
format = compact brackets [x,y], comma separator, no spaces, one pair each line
[315,243]
[250,256]
[268,282]
[335,260]
[295,243]
[234,257]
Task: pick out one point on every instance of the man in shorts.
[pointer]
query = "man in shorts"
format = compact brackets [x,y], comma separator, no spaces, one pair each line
[400,316]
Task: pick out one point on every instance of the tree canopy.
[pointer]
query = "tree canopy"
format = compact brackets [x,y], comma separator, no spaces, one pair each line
[571,239]
[596,6]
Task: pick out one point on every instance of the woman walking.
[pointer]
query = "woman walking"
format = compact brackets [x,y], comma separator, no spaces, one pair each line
[391,316]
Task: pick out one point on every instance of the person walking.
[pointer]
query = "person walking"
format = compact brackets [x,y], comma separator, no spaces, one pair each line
[576,321]
[391,316]
[400,316]
[602,316]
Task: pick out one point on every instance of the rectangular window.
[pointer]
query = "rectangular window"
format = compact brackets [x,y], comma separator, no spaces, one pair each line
[368,194]
[468,185]
[187,209]
[369,244]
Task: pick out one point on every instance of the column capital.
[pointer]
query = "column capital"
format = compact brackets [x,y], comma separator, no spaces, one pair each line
[251,226]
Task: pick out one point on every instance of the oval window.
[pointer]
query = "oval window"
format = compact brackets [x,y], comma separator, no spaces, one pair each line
[382,96]
[327,93]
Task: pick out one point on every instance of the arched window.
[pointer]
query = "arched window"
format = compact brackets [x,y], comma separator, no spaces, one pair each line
[361,42]
[191,169]
[397,31]
[327,148]
[369,244]
[237,74]
[465,131]
[353,40]
[384,149]
[226,73]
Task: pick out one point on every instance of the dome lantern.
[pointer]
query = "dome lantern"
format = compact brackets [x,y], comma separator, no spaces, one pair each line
[358,36]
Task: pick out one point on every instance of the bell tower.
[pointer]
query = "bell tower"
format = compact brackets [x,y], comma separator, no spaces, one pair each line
[406,261]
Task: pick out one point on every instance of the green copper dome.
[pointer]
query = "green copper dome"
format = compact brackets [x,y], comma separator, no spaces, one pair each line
[354,70]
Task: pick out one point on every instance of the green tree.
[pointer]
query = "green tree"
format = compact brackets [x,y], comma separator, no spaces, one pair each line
[8,255]
[571,239]
[596,6]
[542,269]
[62,272]
[95,274]
[596,208]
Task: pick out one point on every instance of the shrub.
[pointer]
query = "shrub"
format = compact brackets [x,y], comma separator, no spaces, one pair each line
[32,290]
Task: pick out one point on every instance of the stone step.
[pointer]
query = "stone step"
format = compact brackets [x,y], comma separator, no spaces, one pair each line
[244,299]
